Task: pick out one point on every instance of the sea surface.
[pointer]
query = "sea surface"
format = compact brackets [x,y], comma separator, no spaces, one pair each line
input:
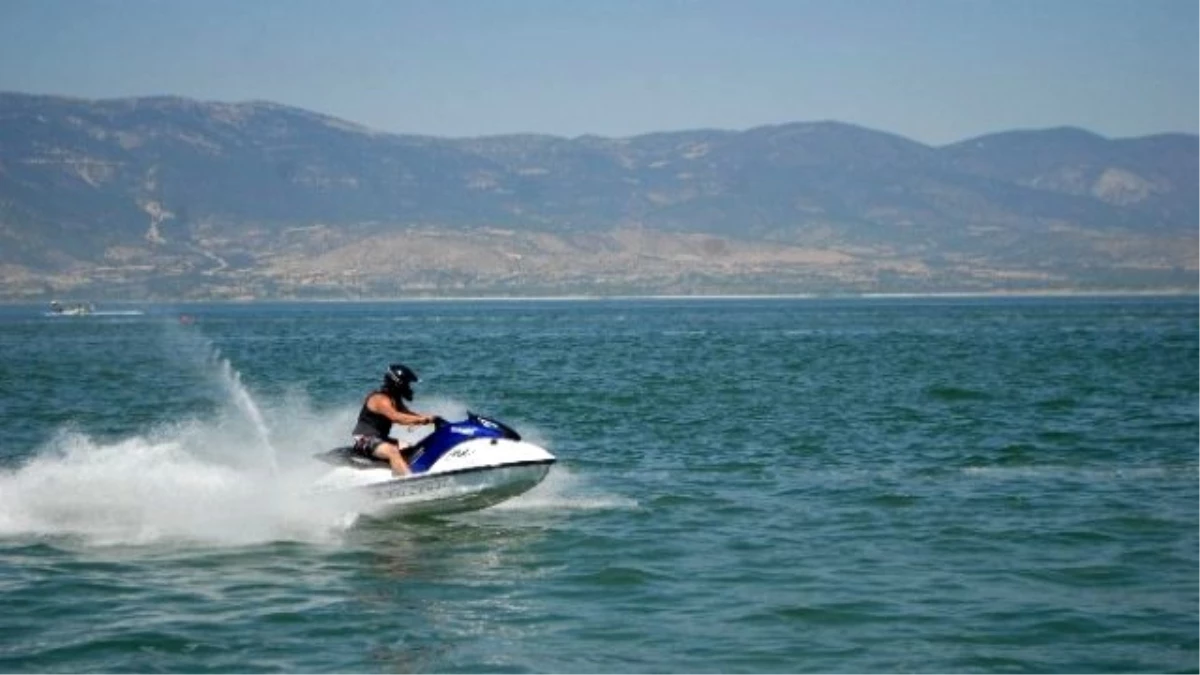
[745,485]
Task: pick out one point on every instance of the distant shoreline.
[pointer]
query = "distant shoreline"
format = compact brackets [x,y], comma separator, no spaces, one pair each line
[933,295]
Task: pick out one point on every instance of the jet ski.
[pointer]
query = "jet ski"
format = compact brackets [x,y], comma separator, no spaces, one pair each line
[460,466]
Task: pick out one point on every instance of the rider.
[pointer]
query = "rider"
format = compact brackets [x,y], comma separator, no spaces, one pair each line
[382,408]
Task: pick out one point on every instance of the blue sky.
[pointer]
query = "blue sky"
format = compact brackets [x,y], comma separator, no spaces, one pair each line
[936,71]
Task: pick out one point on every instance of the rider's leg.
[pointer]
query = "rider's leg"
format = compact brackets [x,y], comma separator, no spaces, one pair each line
[391,453]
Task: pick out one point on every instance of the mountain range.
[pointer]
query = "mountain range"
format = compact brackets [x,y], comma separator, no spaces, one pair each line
[172,198]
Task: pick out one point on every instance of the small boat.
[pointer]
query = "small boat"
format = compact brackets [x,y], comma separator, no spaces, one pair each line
[87,309]
[72,309]
[460,466]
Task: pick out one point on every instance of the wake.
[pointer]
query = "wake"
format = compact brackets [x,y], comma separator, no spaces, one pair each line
[229,480]
[142,491]
[563,491]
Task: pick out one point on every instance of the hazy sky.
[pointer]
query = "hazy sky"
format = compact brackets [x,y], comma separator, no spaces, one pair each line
[936,71]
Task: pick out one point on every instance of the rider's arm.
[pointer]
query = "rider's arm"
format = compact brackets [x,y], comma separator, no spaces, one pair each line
[383,405]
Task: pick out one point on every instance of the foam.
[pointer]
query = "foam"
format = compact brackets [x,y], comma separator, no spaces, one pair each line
[148,489]
[232,479]
[564,491]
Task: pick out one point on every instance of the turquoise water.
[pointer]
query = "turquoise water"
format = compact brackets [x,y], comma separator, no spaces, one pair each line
[770,485]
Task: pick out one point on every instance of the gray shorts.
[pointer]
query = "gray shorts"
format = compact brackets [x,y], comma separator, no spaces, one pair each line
[365,445]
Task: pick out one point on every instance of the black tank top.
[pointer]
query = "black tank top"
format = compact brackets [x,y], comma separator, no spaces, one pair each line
[372,423]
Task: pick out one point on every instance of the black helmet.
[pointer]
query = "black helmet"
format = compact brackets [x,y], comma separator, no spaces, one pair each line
[397,379]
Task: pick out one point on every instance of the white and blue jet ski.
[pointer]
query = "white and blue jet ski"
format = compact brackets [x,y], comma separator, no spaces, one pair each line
[460,466]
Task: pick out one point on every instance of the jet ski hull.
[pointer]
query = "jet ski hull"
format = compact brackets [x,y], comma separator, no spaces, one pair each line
[467,490]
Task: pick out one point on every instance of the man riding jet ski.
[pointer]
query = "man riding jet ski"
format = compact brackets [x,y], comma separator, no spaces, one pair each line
[380,410]
[464,465]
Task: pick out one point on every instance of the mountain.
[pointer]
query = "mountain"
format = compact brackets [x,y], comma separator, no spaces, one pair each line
[159,198]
